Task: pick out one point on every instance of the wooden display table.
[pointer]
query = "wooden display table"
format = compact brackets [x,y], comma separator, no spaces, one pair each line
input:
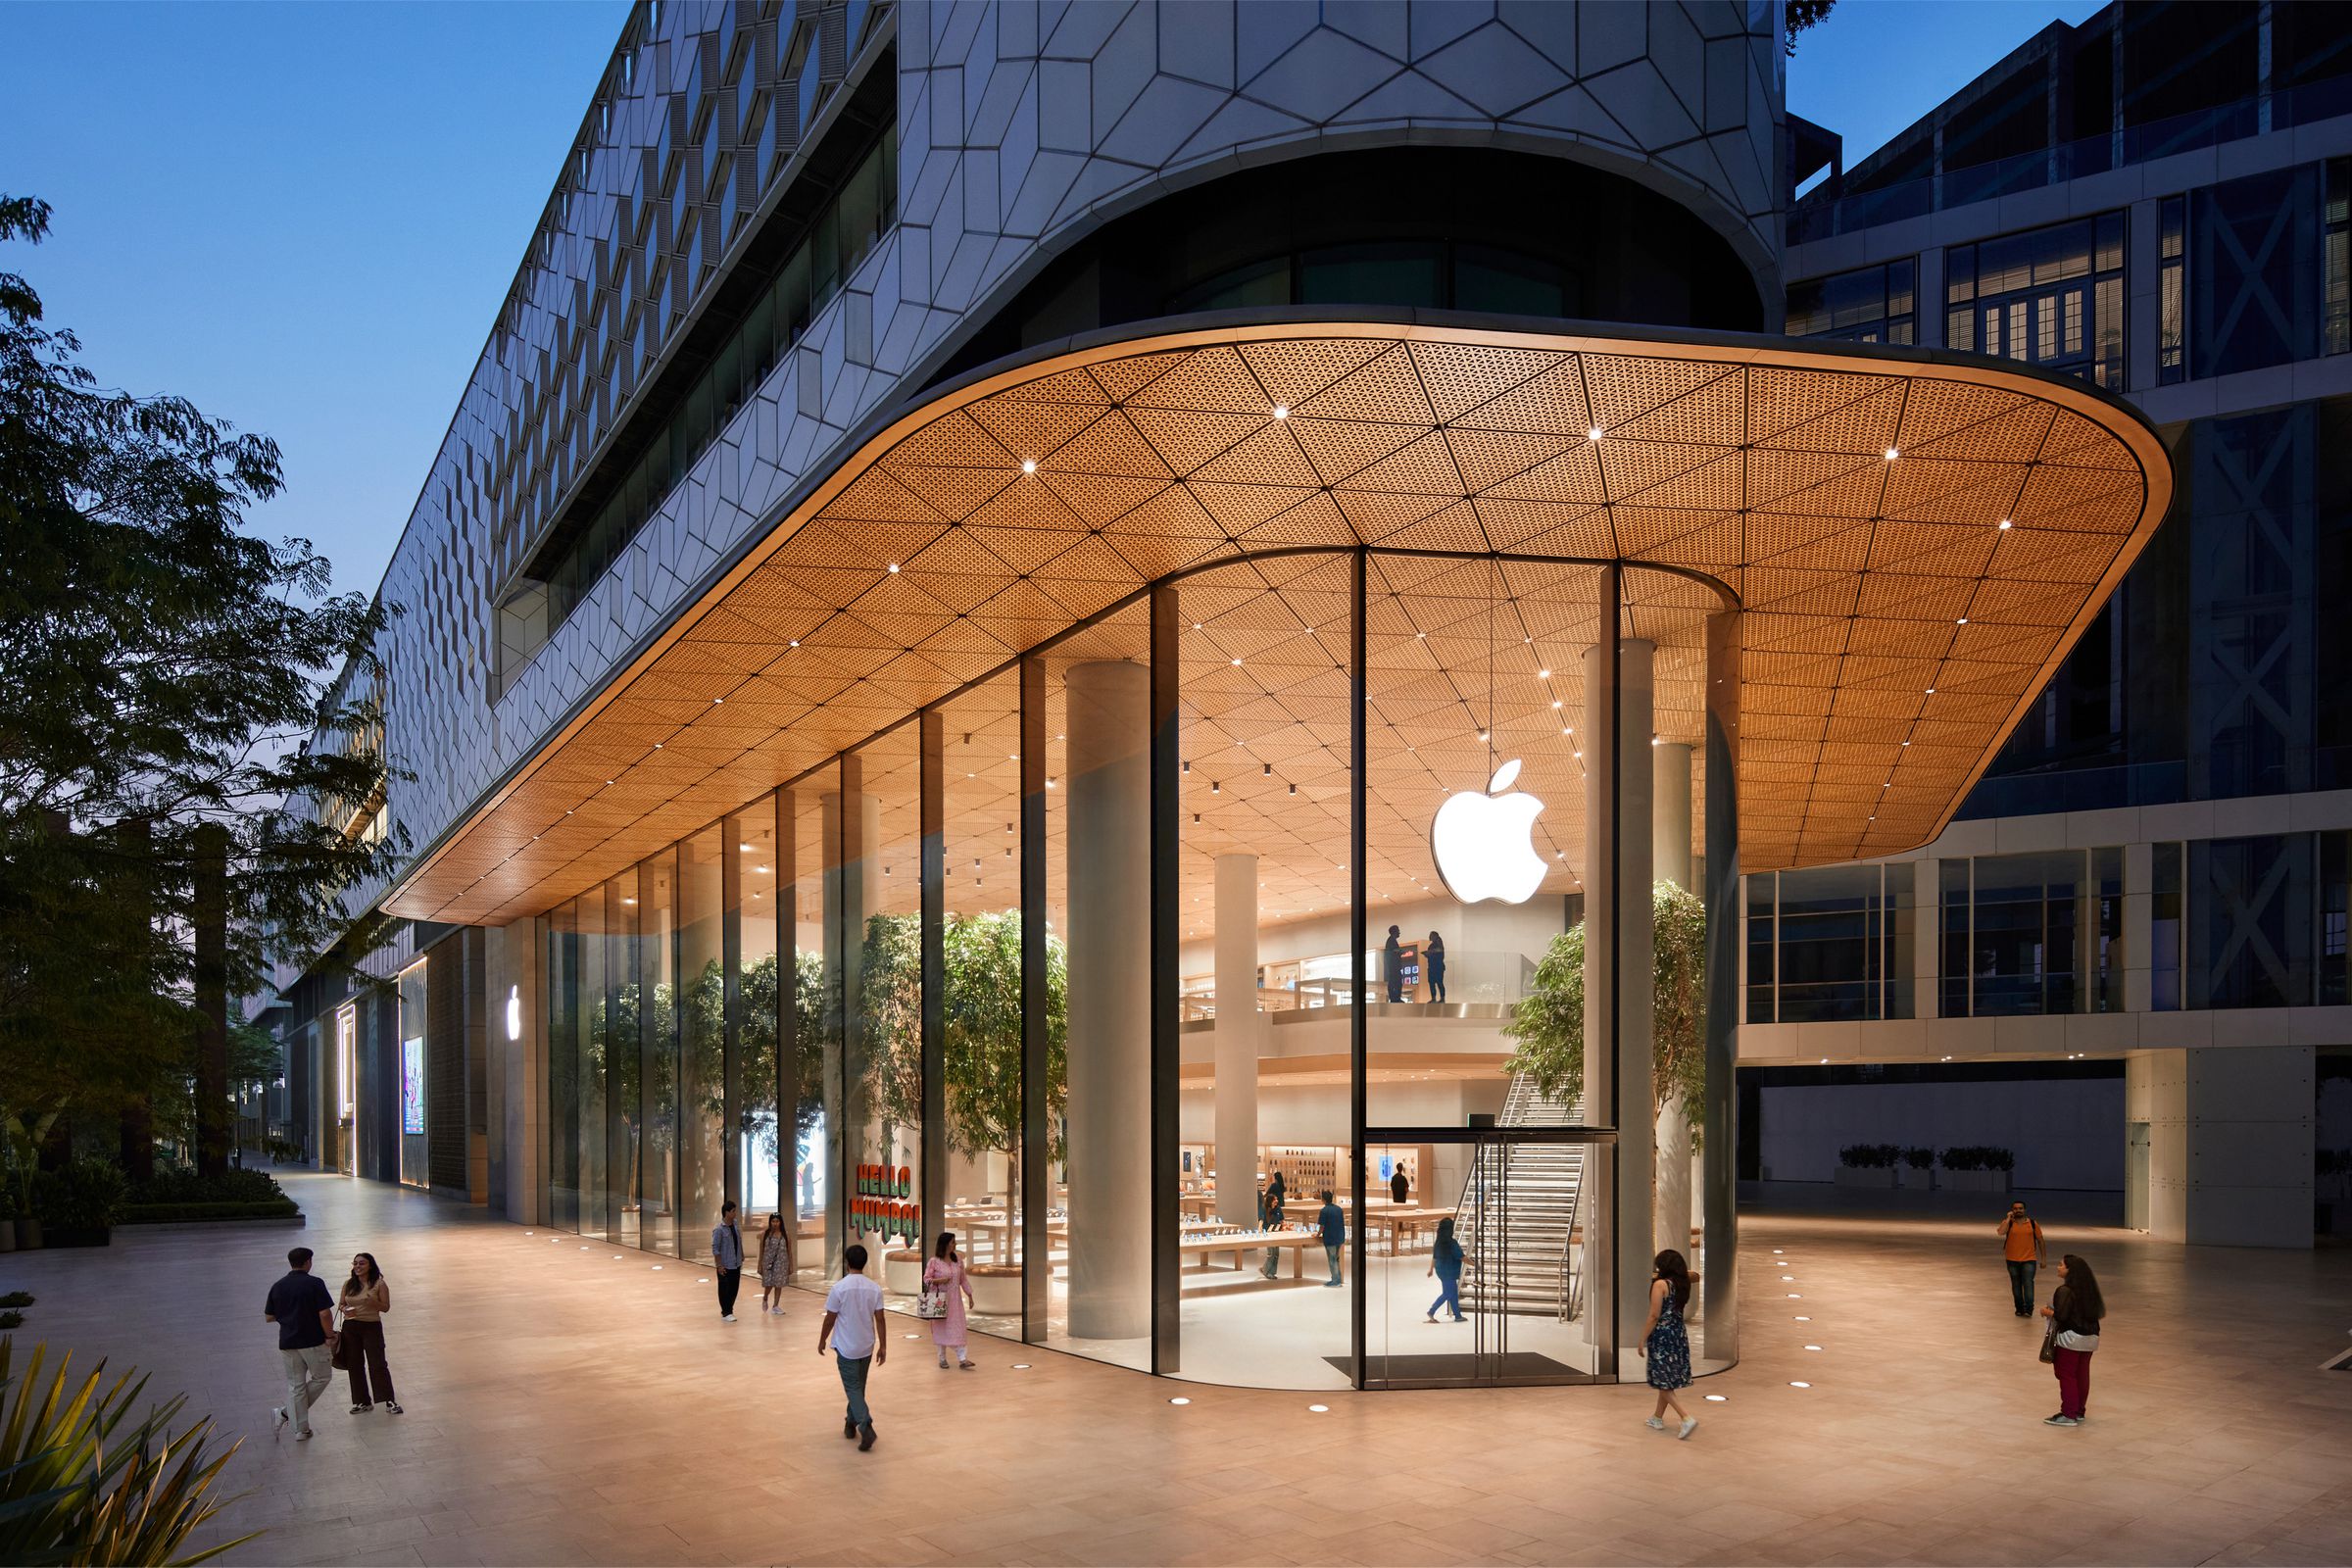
[1210,1244]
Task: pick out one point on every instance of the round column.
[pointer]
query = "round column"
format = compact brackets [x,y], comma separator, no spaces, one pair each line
[1240,1035]
[1109,936]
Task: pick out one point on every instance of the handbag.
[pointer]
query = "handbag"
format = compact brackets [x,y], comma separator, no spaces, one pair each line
[342,1355]
[932,1305]
[2049,1338]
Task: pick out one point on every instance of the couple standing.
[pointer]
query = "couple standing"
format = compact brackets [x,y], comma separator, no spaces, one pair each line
[310,1347]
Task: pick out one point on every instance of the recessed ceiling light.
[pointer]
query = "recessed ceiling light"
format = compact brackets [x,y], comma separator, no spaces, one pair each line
[1592,434]
[894,568]
[1893,454]
[1028,465]
[1282,410]
[2006,524]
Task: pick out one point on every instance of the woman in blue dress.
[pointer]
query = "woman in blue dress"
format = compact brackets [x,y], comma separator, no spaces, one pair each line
[1665,1341]
[1446,1262]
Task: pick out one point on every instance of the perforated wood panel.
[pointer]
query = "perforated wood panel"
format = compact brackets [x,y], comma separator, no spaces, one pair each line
[1914,545]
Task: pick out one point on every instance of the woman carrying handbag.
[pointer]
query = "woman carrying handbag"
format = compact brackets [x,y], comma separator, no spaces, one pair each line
[945,1293]
[2070,1337]
[360,1348]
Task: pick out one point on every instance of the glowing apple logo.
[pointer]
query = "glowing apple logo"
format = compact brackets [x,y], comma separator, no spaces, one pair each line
[1485,844]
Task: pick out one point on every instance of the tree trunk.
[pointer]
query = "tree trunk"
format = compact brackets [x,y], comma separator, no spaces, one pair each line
[213,1110]
[1673,1208]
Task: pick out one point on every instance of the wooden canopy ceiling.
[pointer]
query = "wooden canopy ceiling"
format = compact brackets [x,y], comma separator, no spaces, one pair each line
[1914,541]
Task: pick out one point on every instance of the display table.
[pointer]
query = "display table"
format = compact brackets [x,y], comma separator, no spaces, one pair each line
[1206,1245]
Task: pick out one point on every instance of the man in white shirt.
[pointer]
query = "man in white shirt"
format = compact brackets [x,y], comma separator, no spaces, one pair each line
[853,1323]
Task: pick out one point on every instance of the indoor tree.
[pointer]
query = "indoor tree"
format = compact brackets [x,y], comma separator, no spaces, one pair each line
[1549,1027]
[983,1046]
[191,772]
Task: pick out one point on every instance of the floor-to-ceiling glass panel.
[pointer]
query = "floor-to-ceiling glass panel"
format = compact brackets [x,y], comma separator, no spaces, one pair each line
[620,1044]
[1099,891]
[981,949]
[415,1168]
[760,1149]
[1267,1191]
[564,1067]
[658,1046]
[885,1016]
[702,1041]
[811,812]
[594,1138]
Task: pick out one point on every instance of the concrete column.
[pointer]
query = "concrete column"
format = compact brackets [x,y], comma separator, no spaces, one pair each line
[1719,1283]
[1619,949]
[1109,876]
[1670,825]
[2230,1142]
[1239,1036]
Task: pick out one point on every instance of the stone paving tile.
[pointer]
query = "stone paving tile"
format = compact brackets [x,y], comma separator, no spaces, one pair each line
[567,1409]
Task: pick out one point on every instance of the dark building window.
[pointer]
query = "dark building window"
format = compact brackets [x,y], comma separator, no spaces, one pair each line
[2165,928]
[1829,944]
[2026,935]
[2335,329]
[2191,70]
[2256,252]
[2172,300]
[2051,297]
[1869,304]
[2251,926]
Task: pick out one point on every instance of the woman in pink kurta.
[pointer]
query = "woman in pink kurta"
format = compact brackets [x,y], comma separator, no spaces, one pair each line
[944,1273]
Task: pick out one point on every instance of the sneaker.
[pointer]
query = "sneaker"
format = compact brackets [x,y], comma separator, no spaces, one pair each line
[278,1420]
[1689,1425]
[865,1438]
[362,1409]
[1432,1318]
[849,1428]
[392,1410]
[2061,1421]
[727,1318]
[1656,1422]
[304,1435]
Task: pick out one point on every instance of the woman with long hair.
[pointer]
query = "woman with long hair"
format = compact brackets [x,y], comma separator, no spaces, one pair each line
[2075,1311]
[1433,957]
[776,1264]
[944,1273]
[367,1297]
[1665,1341]
[1446,1262]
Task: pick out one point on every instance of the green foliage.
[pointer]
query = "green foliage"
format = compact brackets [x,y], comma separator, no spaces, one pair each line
[182,1185]
[1803,16]
[188,1213]
[1920,1158]
[162,671]
[1871,1157]
[84,1194]
[82,1482]
[17,1299]
[1978,1156]
[11,1319]
[1548,1022]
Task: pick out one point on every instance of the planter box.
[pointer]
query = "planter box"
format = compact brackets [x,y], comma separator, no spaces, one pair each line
[1920,1181]
[78,1235]
[151,1227]
[995,1289]
[1865,1176]
[903,1272]
[1975,1181]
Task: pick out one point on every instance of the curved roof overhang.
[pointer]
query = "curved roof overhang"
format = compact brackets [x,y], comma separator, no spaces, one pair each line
[1900,612]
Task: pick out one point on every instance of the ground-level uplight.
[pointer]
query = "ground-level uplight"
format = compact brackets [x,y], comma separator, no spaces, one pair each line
[1812,1346]
[1796,1384]
[1180,1400]
[1717,1398]
[1320,1410]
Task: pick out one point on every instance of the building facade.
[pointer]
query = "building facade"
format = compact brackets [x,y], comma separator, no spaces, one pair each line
[984,534]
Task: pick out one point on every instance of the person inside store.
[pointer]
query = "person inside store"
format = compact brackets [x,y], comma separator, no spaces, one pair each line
[1270,1217]
[1335,1234]
[1446,1262]
[1391,965]
[1434,956]
[1398,1186]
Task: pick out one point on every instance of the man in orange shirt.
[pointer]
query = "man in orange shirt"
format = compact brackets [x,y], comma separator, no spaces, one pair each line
[2021,1245]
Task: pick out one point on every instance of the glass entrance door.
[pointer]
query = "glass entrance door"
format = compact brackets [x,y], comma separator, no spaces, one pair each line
[1481,1277]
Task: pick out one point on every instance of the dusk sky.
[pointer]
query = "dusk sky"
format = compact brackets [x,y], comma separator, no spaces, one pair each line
[303,218]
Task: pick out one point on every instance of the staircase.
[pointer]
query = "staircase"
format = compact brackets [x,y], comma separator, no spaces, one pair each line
[1521,1198]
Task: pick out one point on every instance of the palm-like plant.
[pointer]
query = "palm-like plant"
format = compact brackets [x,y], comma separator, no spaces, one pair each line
[82,1482]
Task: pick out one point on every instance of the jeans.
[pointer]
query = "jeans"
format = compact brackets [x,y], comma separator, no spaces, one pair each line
[2074,1380]
[368,1366]
[2020,1286]
[1331,1251]
[1449,1296]
[1436,985]
[730,1281]
[852,1383]
[309,1372]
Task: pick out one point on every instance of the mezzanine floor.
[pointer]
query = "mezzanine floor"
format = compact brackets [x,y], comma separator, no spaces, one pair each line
[569,1406]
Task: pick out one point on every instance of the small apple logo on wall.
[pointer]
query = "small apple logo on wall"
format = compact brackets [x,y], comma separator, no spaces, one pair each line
[1485,844]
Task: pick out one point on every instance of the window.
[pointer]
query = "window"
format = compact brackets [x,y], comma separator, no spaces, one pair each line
[1435,274]
[1870,304]
[1829,944]
[2171,244]
[2164,928]
[2052,297]
[2030,935]
[2337,320]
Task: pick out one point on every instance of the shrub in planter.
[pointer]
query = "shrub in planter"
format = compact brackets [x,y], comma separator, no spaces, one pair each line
[231,1186]
[1868,1164]
[184,1213]
[78,1202]
[1978,1168]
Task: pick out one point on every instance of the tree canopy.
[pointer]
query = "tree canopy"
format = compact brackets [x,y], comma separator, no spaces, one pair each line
[162,671]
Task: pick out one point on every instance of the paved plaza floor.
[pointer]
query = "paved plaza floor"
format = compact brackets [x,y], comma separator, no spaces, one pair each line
[567,1405]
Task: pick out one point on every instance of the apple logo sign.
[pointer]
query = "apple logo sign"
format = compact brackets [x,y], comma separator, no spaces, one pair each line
[1485,845]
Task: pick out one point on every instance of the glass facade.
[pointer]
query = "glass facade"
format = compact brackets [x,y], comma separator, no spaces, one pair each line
[1005,940]
[2052,297]
[1869,304]
[1830,943]
[2031,934]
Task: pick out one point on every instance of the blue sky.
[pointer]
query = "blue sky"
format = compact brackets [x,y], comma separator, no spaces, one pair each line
[304,216]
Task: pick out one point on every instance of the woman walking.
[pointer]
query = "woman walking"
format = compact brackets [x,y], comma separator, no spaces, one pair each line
[2075,1311]
[367,1297]
[1446,1262]
[776,1264]
[1434,956]
[1665,1341]
[945,1274]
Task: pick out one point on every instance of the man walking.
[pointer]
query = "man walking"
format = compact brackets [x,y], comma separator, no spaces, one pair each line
[860,1342]
[305,1315]
[1335,1236]
[2021,1245]
[726,1255]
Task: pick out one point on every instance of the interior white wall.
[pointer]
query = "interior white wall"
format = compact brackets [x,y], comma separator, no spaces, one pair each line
[2230,1133]
[2067,1133]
